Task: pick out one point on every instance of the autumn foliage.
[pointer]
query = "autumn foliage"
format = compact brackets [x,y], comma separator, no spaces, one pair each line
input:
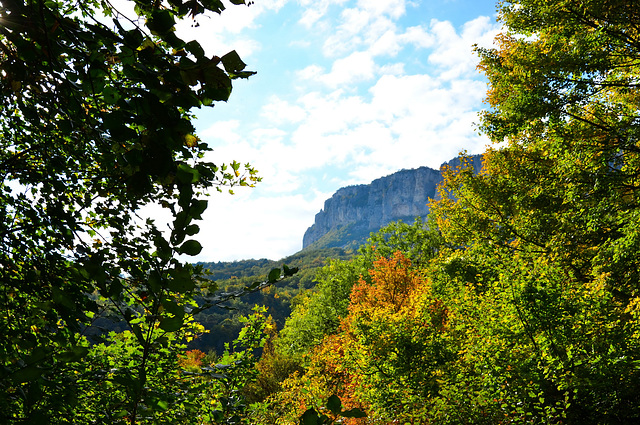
[191,360]
[526,310]
[387,350]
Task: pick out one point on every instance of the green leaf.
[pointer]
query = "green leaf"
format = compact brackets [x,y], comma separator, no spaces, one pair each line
[232,62]
[214,5]
[73,355]
[163,248]
[38,354]
[133,37]
[178,235]
[184,200]
[274,275]
[354,413]
[243,74]
[155,281]
[195,49]
[198,207]
[181,280]
[26,374]
[62,298]
[171,324]
[137,331]
[186,174]
[161,21]
[173,307]
[289,271]
[310,417]
[334,404]
[190,247]
[192,229]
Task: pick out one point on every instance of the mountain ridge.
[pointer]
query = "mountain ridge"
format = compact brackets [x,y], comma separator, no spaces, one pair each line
[353,212]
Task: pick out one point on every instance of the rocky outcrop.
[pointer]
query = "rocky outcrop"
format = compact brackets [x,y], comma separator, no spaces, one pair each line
[363,209]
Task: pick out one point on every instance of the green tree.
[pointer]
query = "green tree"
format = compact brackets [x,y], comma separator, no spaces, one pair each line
[549,230]
[319,313]
[180,388]
[95,123]
[397,343]
[419,242]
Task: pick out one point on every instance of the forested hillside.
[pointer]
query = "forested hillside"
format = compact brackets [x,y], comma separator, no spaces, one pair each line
[350,223]
[223,322]
[517,301]
[525,309]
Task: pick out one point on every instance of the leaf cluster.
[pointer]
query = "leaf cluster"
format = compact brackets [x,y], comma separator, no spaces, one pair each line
[95,124]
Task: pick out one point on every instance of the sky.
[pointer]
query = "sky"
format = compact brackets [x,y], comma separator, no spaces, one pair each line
[346,91]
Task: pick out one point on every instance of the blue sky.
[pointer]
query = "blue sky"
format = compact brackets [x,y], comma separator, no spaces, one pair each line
[347,91]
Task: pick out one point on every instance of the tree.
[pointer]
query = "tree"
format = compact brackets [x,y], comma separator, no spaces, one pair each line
[397,340]
[319,313]
[551,225]
[95,124]
[419,241]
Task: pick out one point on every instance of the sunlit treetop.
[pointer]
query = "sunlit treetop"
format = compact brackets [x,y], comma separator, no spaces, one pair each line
[559,61]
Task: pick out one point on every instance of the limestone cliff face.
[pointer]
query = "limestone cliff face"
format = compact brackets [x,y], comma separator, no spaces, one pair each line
[366,208]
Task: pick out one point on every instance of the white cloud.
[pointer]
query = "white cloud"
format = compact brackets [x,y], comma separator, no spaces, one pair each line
[392,69]
[418,36]
[454,51]
[278,111]
[314,11]
[390,131]
[392,8]
[358,27]
[227,131]
[395,96]
[386,44]
[355,68]
[311,72]
[272,154]
[247,225]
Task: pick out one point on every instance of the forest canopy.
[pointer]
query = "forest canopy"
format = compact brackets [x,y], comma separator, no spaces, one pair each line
[516,302]
[528,310]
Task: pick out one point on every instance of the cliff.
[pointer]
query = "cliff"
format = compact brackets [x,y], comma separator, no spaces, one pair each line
[353,212]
